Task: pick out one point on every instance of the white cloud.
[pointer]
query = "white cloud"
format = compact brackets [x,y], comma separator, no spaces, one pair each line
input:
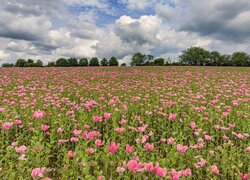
[48,29]
[136,4]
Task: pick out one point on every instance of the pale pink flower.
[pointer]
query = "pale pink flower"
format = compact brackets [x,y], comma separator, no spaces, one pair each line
[181,149]
[98,142]
[172,117]
[37,148]
[248,149]
[120,169]
[200,164]
[244,176]
[107,115]
[97,119]
[161,172]
[7,125]
[38,172]
[148,147]
[129,148]
[59,130]
[90,150]
[186,172]
[123,122]
[71,154]
[214,169]
[113,147]
[77,132]
[74,139]
[193,125]
[14,144]
[44,127]
[21,149]
[171,140]
[119,130]
[17,122]
[135,166]
[22,157]
[208,138]
[149,167]
[39,114]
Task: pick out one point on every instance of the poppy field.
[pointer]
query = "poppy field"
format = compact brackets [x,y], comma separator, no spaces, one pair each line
[125,123]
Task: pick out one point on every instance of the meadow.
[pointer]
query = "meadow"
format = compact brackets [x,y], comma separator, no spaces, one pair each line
[125,123]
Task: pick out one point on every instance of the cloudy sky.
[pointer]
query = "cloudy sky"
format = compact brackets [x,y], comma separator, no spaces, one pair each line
[48,29]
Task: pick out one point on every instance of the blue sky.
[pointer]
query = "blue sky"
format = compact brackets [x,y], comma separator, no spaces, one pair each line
[48,30]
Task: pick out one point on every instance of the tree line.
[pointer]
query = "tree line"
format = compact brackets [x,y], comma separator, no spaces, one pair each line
[63,62]
[193,56]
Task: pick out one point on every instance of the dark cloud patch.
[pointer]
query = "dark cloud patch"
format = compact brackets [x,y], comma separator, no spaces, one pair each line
[218,19]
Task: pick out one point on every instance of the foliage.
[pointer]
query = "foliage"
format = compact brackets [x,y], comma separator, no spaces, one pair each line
[72,62]
[62,62]
[8,65]
[83,62]
[94,61]
[113,61]
[104,62]
[138,59]
[125,123]
[159,62]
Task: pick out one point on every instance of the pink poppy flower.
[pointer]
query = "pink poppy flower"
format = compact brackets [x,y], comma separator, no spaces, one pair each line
[182,149]
[38,172]
[113,147]
[135,166]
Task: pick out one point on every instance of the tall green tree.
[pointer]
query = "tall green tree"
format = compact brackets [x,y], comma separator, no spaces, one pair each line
[148,60]
[240,59]
[214,58]
[104,62]
[72,62]
[62,62]
[113,61]
[94,61]
[83,62]
[8,65]
[138,59]
[195,56]
[20,63]
[39,63]
[51,63]
[159,62]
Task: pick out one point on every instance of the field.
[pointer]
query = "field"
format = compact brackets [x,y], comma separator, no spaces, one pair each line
[125,123]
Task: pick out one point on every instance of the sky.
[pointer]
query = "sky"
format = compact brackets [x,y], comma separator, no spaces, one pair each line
[49,29]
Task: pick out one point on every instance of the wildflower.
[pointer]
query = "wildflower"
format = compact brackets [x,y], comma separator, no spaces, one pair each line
[214,169]
[113,147]
[129,148]
[181,149]
[38,172]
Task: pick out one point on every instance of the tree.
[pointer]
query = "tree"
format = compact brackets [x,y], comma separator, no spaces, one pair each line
[195,56]
[104,62]
[224,60]
[38,63]
[113,61]
[72,62]
[148,60]
[94,61]
[123,64]
[159,62]
[20,63]
[214,58]
[51,64]
[83,62]
[62,62]
[137,59]
[240,59]
[7,65]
